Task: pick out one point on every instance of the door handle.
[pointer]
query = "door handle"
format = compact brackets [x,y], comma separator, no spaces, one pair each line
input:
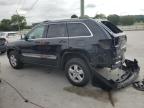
[42,42]
[62,41]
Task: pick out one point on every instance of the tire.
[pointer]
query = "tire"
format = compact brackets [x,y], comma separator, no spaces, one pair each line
[3,52]
[14,59]
[77,72]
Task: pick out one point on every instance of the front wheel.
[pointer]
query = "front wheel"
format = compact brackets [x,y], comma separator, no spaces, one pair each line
[14,59]
[77,72]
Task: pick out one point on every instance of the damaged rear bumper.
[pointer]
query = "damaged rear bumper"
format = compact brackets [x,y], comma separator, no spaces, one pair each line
[131,69]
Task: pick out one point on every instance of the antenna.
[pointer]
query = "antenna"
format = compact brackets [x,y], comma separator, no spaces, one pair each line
[19,29]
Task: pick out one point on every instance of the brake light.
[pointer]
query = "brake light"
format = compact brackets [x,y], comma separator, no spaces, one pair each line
[116,41]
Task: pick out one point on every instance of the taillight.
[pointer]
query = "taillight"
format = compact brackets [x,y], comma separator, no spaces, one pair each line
[105,44]
[116,41]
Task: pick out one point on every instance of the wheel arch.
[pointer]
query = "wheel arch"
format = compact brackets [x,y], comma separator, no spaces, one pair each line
[74,54]
[12,49]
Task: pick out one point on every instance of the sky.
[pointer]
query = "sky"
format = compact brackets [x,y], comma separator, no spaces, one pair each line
[40,10]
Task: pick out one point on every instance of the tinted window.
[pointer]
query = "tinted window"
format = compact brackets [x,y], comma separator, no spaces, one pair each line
[56,30]
[78,29]
[37,32]
[11,34]
[112,27]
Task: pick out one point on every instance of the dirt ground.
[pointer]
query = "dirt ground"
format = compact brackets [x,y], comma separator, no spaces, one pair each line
[50,89]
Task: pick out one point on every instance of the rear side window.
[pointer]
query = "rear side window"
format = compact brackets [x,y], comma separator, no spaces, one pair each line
[56,30]
[112,27]
[78,29]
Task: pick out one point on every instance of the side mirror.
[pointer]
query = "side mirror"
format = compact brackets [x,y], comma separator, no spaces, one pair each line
[25,37]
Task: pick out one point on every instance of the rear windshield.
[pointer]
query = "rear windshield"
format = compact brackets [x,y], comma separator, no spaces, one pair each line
[112,27]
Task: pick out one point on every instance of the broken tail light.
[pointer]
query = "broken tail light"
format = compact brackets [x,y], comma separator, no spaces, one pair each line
[105,44]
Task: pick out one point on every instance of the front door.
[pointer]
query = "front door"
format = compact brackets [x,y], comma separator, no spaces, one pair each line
[32,47]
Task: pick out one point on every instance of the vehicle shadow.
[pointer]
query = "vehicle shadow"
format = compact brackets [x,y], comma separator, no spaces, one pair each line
[2,54]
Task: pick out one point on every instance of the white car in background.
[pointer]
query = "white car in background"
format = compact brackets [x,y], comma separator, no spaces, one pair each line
[10,36]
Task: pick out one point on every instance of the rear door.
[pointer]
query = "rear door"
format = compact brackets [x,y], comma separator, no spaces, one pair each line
[55,43]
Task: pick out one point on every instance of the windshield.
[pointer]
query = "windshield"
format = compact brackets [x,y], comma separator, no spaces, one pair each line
[112,27]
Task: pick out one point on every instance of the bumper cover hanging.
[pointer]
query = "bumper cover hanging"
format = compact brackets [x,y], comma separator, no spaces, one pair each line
[130,67]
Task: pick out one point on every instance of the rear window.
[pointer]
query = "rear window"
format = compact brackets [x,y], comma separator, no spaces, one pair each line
[112,27]
[78,29]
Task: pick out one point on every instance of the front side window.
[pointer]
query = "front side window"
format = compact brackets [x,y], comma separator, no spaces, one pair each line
[56,30]
[37,32]
[78,29]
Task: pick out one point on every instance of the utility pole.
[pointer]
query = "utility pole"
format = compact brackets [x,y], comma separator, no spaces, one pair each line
[82,8]
[18,23]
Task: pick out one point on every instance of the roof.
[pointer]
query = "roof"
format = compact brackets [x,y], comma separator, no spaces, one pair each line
[72,20]
[68,20]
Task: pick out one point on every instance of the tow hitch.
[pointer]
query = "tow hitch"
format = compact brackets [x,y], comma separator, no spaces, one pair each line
[131,69]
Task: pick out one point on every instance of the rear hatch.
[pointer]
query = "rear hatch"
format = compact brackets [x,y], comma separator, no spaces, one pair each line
[119,41]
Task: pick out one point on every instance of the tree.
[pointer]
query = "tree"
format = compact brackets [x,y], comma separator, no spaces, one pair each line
[13,24]
[74,16]
[85,16]
[127,20]
[139,18]
[99,16]
[18,21]
[5,25]
[114,19]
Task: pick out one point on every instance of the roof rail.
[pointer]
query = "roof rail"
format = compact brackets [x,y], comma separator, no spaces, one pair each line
[47,21]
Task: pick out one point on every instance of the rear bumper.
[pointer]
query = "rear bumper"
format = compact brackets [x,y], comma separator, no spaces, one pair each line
[108,58]
[132,70]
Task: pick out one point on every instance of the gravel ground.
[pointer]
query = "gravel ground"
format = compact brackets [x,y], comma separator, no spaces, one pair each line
[49,88]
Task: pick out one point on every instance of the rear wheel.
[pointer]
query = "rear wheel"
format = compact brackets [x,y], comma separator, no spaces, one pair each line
[14,59]
[77,72]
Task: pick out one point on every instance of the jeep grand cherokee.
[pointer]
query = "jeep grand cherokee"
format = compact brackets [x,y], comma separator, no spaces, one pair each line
[75,45]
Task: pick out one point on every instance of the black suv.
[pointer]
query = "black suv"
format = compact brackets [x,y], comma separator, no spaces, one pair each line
[77,46]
